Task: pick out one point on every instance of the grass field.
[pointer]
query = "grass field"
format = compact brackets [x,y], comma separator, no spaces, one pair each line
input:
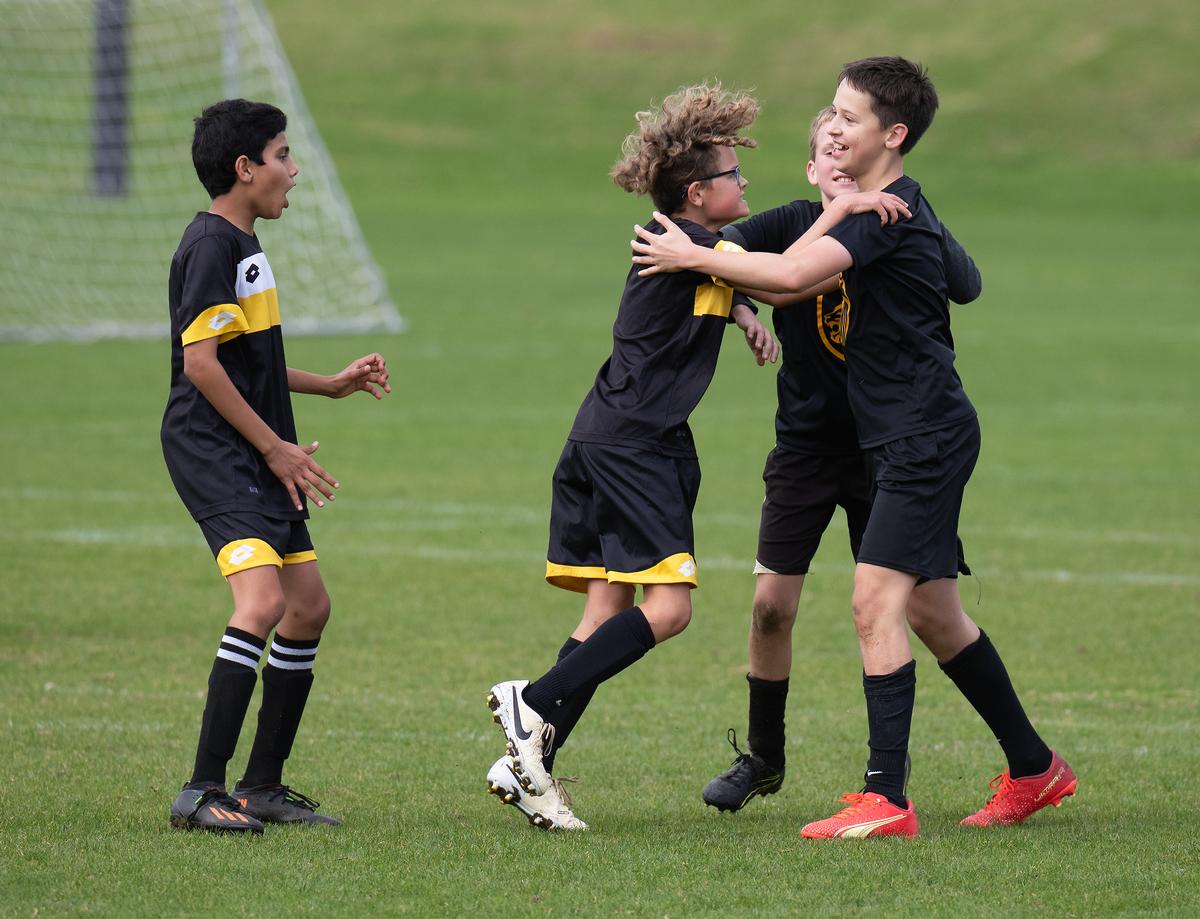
[474,141]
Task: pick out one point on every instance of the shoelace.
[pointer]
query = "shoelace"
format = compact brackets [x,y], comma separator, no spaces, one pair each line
[856,800]
[563,794]
[216,796]
[742,761]
[291,796]
[1003,783]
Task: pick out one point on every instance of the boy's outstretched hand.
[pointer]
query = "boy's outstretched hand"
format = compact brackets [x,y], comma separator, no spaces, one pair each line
[666,251]
[367,374]
[760,341]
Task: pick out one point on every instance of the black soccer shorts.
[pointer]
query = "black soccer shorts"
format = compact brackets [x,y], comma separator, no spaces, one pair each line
[803,490]
[243,540]
[918,491]
[622,515]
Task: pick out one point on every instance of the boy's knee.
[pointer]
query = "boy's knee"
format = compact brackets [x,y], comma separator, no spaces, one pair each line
[311,613]
[260,616]
[668,619]
[770,617]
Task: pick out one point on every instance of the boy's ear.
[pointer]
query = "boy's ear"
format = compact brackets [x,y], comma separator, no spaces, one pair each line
[241,169]
[811,171]
[693,194]
[896,136]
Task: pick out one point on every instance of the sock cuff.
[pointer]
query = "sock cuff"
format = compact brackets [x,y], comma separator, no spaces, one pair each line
[966,657]
[901,680]
[758,683]
[292,653]
[568,646]
[639,626]
[240,647]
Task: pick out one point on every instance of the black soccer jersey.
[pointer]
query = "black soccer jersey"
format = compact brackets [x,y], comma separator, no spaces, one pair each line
[814,411]
[222,287]
[666,341]
[899,351]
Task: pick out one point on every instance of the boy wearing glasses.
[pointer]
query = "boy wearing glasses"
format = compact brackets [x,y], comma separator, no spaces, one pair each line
[911,413]
[628,478]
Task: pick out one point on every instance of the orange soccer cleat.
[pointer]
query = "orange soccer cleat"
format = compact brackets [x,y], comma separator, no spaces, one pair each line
[1016,800]
[869,814]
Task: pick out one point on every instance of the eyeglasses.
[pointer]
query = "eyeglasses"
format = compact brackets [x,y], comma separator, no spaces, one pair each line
[736,172]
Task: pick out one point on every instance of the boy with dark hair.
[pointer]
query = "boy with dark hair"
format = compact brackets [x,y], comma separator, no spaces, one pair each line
[911,412]
[627,481]
[229,441]
[815,467]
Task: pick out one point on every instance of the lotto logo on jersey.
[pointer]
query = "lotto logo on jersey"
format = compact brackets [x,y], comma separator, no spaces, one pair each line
[688,568]
[221,320]
[241,554]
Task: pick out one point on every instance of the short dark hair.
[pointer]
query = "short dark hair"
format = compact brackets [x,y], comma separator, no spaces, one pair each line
[227,130]
[901,92]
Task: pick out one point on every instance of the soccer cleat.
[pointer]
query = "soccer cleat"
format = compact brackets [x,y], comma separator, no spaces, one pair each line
[280,804]
[551,811]
[529,737]
[869,814]
[747,776]
[208,807]
[1016,800]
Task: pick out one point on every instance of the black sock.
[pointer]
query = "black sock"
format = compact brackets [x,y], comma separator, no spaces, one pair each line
[890,701]
[619,642]
[230,686]
[565,716]
[768,703]
[979,674]
[287,678]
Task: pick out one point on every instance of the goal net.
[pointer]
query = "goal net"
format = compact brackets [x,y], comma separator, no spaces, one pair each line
[97,99]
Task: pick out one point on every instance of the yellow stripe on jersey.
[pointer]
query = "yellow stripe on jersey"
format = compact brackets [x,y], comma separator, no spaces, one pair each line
[571,577]
[261,309]
[725,246]
[223,322]
[712,300]
[242,554]
[679,568]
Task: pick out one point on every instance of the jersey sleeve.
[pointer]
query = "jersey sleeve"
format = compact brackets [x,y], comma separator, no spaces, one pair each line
[865,238]
[772,230]
[208,306]
[963,280]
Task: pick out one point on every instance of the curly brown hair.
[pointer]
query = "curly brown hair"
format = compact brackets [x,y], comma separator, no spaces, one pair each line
[678,142]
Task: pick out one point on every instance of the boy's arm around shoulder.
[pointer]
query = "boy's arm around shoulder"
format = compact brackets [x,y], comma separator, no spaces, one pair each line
[963,281]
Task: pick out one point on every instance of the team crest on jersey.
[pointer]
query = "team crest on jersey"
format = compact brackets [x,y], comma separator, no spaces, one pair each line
[833,321]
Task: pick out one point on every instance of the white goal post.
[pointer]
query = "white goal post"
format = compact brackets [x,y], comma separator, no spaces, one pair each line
[97,99]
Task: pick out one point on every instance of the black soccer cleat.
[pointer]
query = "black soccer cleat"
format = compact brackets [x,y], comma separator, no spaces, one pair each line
[280,804]
[209,807]
[747,776]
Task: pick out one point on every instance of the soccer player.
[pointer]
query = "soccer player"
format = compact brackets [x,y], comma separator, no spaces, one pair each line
[911,412]
[815,467]
[627,480]
[229,440]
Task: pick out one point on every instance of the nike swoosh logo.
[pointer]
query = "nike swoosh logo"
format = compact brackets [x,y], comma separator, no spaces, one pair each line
[876,772]
[520,728]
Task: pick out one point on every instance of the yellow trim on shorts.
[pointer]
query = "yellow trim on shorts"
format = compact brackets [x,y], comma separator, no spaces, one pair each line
[571,577]
[243,554]
[299,558]
[222,322]
[679,568]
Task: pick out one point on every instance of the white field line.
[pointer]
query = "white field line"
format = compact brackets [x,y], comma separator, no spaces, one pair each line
[441,515]
[152,537]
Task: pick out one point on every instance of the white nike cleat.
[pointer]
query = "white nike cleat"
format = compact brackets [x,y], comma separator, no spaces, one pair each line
[551,811]
[529,737]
